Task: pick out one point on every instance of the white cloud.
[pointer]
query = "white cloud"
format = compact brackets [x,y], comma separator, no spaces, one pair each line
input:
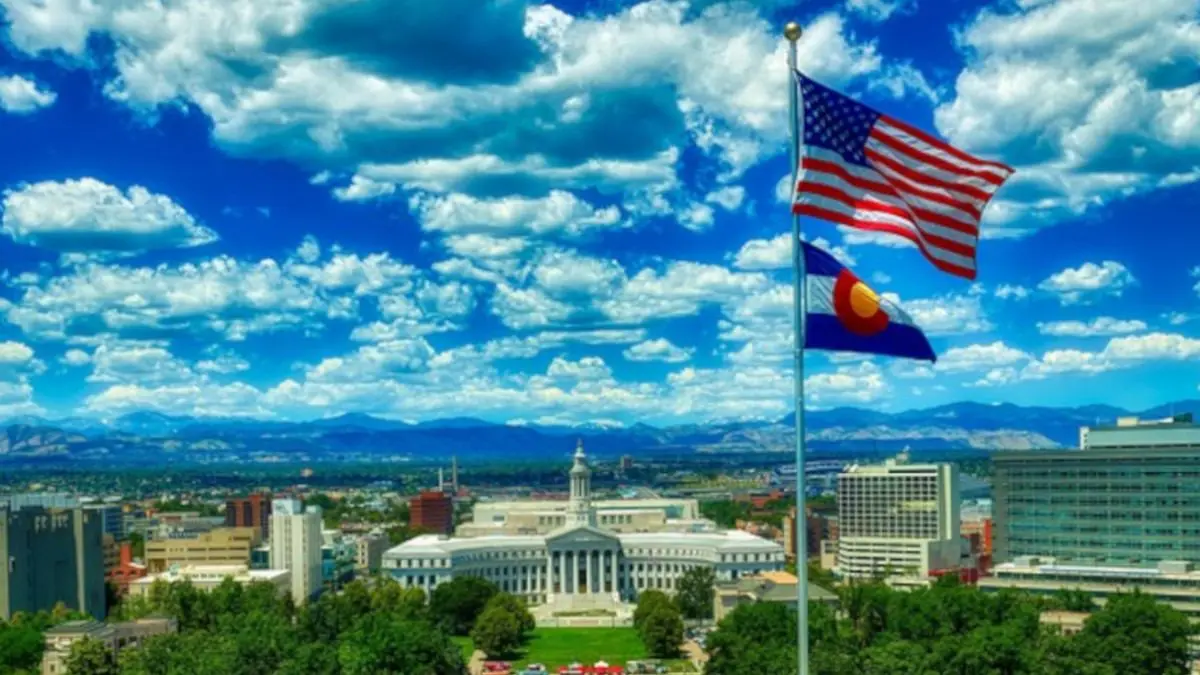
[776,253]
[1103,325]
[729,197]
[861,383]
[559,213]
[75,358]
[1011,292]
[20,95]
[979,357]
[879,10]
[1082,284]
[541,99]
[1116,112]
[658,350]
[1120,352]
[86,215]
[946,315]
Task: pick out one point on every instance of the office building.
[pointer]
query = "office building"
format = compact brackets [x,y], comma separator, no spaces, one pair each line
[1112,506]
[112,518]
[819,528]
[1130,432]
[432,511]
[54,555]
[222,546]
[1174,583]
[115,636]
[898,518]
[44,500]
[581,563]
[251,511]
[369,556]
[208,577]
[296,542]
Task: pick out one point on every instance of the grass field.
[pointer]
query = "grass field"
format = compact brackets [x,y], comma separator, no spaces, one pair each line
[554,647]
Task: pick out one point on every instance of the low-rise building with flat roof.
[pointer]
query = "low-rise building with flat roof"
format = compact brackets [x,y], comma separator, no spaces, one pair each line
[208,577]
[779,587]
[1176,583]
[115,636]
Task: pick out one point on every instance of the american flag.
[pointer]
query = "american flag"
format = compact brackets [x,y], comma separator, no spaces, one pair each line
[865,170]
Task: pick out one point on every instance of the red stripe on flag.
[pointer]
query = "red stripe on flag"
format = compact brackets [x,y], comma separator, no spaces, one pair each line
[849,221]
[859,204]
[942,145]
[920,178]
[929,160]
[893,189]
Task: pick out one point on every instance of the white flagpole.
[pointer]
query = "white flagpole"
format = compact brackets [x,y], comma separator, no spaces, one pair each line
[792,32]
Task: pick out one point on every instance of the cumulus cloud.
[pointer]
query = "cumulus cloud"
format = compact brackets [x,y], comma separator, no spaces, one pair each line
[659,349]
[1117,110]
[1103,325]
[20,95]
[86,215]
[1083,284]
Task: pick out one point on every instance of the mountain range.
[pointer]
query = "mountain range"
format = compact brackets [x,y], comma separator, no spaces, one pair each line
[149,438]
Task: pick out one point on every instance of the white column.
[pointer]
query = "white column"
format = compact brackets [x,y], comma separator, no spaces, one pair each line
[616,572]
[562,572]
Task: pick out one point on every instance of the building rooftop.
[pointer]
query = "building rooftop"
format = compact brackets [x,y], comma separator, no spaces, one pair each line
[435,544]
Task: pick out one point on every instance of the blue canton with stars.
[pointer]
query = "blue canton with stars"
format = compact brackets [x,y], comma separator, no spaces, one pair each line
[834,121]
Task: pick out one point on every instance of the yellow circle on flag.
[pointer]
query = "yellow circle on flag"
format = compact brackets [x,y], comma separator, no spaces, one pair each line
[863,300]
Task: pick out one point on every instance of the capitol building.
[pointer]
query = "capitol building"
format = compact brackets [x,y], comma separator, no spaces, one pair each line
[582,554]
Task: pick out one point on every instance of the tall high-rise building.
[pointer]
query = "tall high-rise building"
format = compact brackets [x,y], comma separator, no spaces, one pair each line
[432,511]
[53,555]
[1132,497]
[112,518]
[252,511]
[296,546]
[898,518]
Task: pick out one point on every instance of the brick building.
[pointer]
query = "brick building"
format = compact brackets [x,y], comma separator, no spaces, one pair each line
[252,511]
[432,511]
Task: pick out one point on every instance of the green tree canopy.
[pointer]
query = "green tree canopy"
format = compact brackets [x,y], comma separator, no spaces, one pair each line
[91,657]
[455,605]
[695,592]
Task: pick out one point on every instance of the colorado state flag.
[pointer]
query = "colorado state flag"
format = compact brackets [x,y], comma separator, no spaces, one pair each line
[845,315]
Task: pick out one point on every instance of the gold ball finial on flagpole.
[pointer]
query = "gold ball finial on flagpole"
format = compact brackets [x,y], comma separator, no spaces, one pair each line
[792,31]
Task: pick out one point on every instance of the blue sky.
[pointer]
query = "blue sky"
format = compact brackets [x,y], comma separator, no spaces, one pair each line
[570,212]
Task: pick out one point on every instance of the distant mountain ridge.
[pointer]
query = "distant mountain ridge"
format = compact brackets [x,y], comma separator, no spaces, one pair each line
[154,438]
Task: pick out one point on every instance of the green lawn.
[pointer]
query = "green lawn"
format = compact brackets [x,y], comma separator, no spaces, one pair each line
[556,647]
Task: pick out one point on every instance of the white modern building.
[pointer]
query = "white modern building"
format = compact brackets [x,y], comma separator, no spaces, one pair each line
[582,562]
[898,518]
[296,541]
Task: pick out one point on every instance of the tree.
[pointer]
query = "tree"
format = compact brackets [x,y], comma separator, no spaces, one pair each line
[1073,600]
[754,639]
[21,647]
[647,602]
[516,607]
[91,657]
[662,631]
[1135,635]
[455,604]
[383,645]
[498,631]
[695,593]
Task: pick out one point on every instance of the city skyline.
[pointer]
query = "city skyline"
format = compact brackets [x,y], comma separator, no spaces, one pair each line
[573,215]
